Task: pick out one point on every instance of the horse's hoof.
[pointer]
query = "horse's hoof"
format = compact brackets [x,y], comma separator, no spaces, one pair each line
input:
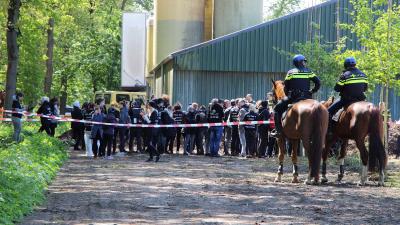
[278,179]
[295,180]
[324,180]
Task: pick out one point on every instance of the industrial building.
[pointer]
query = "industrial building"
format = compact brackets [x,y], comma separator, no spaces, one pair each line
[229,65]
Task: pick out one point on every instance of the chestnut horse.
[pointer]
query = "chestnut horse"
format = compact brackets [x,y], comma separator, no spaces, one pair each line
[307,120]
[358,120]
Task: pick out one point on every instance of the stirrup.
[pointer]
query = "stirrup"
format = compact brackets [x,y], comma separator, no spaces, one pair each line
[274,133]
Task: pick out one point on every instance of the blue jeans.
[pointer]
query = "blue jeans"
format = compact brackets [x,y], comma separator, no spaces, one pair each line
[215,139]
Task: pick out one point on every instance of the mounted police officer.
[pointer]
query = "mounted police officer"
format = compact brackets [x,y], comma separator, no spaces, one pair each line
[297,88]
[352,84]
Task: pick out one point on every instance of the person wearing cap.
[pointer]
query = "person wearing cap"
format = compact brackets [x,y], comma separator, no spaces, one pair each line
[77,127]
[153,118]
[351,85]
[297,88]
[17,116]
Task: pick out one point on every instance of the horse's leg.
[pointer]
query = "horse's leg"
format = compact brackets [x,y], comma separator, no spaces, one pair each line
[330,141]
[341,160]
[364,161]
[306,144]
[281,157]
[295,146]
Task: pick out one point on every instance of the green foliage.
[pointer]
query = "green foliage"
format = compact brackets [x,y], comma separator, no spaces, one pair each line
[378,31]
[283,7]
[25,171]
[87,45]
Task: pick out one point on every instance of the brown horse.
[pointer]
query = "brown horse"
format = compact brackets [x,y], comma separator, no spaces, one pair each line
[307,120]
[358,120]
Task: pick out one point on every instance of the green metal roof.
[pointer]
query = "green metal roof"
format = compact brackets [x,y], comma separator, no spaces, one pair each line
[255,49]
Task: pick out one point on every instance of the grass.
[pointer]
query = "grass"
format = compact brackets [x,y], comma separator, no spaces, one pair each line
[26,169]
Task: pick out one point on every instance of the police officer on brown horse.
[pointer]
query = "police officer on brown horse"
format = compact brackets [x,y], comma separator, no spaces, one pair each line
[351,85]
[297,87]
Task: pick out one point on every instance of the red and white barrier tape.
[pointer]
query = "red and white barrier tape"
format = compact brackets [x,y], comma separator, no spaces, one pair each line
[63,119]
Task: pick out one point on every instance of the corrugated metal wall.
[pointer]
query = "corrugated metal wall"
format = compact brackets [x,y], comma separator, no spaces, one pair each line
[202,86]
[255,49]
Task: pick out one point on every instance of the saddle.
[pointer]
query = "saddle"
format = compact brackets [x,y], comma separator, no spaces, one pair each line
[336,116]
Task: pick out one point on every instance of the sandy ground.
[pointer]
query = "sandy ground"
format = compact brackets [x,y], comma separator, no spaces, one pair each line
[203,190]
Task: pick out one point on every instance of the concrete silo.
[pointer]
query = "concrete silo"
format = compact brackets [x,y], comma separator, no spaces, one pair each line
[234,15]
[178,24]
[149,45]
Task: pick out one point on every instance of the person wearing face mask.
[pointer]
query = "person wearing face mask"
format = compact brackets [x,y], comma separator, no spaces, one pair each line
[16,117]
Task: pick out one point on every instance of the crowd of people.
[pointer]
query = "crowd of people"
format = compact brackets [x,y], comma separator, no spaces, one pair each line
[101,141]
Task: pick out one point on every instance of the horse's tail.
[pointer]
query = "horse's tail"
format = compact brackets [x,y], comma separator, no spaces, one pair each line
[376,149]
[319,129]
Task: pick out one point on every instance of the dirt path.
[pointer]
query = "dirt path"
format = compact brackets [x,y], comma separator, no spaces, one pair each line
[203,190]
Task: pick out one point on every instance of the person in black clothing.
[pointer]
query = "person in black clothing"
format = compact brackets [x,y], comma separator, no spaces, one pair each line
[263,115]
[168,132]
[77,127]
[177,115]
[215,115]
[45,110]
[153,118]
[16,117]
[190,132]
[135,132]
[114,106]
[234,117]
[250,132]
[54,112]
[108,132]
[398,147]
[201,117]
[123,130]
[297,88]
[352,84]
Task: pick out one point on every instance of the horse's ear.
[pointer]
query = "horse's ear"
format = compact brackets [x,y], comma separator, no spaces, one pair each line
[273,82]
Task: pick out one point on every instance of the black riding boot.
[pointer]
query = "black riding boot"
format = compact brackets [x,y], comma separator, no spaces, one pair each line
[278,126]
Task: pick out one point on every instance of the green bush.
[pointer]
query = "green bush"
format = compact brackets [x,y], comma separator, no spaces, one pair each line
[25,170]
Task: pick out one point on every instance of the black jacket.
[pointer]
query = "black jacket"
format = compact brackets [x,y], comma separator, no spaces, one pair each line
[263,115]
[297,84]
[44,109]
[76,114]
[216,114]
[352,85]
[16,106]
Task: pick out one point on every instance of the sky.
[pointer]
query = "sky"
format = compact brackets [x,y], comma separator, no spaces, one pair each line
[304,4]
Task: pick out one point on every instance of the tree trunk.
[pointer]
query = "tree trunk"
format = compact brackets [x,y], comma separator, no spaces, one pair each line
[64,94]
[12,50]
[48,80]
